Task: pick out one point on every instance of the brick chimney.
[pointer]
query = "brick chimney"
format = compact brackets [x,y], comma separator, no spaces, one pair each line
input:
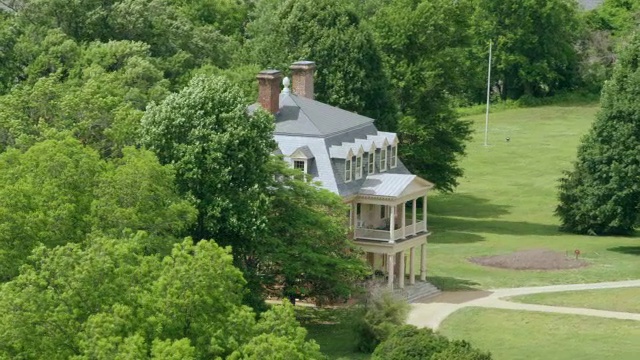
[269,90]
[303,78]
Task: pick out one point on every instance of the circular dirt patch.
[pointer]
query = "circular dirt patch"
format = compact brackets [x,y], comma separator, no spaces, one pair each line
[538,259]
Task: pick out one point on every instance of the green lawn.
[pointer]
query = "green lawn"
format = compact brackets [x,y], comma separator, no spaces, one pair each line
[624,299]
[513,335]
[330,329]
[505,203]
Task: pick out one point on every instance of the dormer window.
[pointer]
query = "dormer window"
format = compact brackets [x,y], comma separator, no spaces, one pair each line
[347,170]
[359,167]
[300,165]
[394,156]
[372,162]
[383,159]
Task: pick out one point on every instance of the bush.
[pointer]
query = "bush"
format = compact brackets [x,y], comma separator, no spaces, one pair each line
[411,343]
[379,316]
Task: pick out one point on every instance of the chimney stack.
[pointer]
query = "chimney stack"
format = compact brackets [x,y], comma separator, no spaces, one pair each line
[303,78]
[269,90]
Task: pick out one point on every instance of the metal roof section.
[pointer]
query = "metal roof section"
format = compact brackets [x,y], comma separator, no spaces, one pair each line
[300,116]
[390,185]
[379,140]
[346,150]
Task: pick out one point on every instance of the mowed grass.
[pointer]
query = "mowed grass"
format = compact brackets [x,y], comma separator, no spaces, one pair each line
[505,203]
[623,299]
[330,328]
[513,335]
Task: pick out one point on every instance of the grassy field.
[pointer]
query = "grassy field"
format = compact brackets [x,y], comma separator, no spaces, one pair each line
[505,203]
[330,329]
[625,299]
[513,335]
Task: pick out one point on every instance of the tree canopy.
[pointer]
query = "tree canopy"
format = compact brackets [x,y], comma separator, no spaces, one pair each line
[108,299]
[601,194]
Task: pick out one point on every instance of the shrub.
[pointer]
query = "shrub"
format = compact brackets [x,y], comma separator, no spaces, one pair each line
[379,316]
[411,343]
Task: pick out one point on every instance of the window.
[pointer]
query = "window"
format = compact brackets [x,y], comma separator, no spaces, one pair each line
[372,162]
[383,211]
[347,170]
[300,165]
[383,159]
[359,167]
[394,156]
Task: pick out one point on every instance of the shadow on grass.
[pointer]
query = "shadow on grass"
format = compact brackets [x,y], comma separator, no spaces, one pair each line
[465,205]
[454,237]
[501,227]
[628,250]
[446,283]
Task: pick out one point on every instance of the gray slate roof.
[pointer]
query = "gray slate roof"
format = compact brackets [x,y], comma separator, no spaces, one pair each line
[301,116]
[315,127]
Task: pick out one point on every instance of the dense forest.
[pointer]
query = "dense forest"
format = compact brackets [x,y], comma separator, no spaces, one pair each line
[142,214]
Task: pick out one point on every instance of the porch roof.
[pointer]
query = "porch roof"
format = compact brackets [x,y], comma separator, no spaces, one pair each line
[392,185]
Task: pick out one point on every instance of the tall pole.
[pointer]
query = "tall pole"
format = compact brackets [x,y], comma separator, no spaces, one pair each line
[486,121]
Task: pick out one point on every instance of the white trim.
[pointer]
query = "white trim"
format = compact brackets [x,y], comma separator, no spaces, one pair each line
[304,161]
[372,162]
[347,170]
[359,167]
[394,156]
[383,159]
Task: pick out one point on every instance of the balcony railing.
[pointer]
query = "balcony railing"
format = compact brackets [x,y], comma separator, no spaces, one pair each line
[385,234]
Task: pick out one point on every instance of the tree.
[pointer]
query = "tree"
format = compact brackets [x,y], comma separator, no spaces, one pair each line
[350,73]
[534,44]
[219,152]
[307,252]
[107,299]
[409,342]
[425,48]
[600,195]
[136,193]
[45,196]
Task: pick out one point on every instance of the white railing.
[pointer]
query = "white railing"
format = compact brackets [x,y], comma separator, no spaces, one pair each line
[385,235]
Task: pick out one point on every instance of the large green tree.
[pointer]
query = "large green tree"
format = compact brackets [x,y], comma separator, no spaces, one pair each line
[45,196]
[349,74]
[425,47]
[107,299]
[534,44]
[285,233]
[601,194]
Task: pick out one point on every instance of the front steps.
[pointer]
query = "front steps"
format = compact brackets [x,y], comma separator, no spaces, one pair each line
[419,291]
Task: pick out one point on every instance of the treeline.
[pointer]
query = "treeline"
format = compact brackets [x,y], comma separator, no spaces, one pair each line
[128,160]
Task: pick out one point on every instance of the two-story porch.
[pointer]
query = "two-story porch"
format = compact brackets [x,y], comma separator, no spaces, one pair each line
[389,222]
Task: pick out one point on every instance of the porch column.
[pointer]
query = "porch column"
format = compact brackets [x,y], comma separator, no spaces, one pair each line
[401,270]
[412,272]
[413,215]
[423,262]
[404,219]
[392,224]
[424,211]
[390,265]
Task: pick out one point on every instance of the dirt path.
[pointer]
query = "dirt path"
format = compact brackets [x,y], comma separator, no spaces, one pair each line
[432,314]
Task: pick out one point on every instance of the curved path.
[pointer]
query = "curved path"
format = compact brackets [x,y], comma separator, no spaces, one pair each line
[432,314]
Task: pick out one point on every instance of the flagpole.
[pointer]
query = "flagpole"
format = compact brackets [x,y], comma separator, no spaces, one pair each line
[486,121]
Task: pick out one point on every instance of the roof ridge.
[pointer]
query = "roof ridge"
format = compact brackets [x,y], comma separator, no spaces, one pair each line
[295,98]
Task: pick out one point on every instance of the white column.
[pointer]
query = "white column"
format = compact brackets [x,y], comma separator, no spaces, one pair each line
[392,224]
[424,211]
[404,219]
[390,265]
[423,262]
[353,217]
[413,215]
[412,272]
[401,270]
